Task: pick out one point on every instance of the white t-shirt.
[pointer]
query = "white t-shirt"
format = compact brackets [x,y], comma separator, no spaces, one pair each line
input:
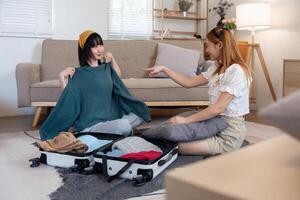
[233,81]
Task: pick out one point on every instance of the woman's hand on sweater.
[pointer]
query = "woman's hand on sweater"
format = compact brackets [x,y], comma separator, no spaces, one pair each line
[153,71]
[108,57]
[178,120]
[69,71]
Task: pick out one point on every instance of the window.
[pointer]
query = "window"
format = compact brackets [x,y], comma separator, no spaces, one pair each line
[130,19]
[30,18]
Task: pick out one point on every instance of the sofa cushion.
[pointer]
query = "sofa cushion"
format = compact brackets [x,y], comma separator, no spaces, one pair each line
[187,132]
[203,67]
[178,59]
[49,91]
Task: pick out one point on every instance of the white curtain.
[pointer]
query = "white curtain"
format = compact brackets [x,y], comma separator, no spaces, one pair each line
[26,18]
[130,19]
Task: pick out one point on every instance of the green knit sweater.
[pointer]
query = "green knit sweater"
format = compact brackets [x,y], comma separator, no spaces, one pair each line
[92,95]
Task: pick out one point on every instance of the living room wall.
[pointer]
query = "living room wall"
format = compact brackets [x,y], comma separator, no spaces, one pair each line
[279,42]
[71,17]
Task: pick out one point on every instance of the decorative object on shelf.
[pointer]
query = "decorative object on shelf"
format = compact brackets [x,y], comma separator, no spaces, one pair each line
[165,12]
[197,36]
[184,6]
[221,9]
[166,33]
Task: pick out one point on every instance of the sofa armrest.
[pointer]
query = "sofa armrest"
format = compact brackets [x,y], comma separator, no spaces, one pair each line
[26,74]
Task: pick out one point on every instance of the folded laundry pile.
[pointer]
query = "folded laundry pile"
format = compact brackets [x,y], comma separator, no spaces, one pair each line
[67,142]
[64,142]
[134,148]
[143,155]
[135,144]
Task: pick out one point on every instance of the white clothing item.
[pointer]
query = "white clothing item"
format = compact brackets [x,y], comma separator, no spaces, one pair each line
[121,126]
[233,81]
[134,144]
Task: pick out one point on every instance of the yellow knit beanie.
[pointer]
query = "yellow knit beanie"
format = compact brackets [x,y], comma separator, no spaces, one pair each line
[83,37]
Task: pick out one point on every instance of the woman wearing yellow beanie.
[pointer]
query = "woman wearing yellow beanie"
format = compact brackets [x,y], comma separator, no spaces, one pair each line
[94,99]
[85,50]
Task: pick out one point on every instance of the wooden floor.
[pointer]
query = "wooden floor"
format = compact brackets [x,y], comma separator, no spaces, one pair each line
[23,123]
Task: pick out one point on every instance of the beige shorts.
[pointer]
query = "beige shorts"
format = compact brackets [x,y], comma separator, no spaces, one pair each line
[229,139]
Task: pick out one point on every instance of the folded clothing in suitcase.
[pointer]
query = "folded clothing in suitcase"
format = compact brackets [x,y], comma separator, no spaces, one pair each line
[140,166]
[79,161]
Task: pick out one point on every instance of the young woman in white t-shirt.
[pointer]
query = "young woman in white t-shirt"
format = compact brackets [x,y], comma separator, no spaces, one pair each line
[228,80]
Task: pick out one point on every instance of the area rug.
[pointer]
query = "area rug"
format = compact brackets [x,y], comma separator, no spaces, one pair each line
[91,187]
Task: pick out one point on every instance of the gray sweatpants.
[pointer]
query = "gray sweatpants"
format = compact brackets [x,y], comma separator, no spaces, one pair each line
[121,126]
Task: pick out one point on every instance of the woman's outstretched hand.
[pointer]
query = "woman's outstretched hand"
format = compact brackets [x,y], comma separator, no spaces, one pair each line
[178,120]
[153,71]
[69,71]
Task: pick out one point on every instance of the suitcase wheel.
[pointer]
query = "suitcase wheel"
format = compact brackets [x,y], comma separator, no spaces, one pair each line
[138,180]
[80,165]
[35,162]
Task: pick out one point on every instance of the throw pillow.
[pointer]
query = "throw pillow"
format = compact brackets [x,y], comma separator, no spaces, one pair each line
[187,132]
[203,67]
[285,114]
[179,59]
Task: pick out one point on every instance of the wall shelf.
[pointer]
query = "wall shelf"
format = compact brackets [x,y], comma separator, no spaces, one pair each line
[166,15]
[180,17]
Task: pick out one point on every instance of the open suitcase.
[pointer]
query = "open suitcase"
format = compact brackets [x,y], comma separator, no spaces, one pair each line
[77,161]
[112,167]
[136,170]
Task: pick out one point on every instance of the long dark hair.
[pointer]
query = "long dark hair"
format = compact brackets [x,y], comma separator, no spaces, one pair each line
[86,53]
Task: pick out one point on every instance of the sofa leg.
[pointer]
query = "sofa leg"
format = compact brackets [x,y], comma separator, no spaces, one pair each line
[37,116]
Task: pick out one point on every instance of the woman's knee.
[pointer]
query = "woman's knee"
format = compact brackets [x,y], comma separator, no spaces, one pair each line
[133,119]
[194,148]
[124,127]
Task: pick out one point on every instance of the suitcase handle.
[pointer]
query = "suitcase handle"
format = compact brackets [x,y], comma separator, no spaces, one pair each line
[164,161]
[121,171]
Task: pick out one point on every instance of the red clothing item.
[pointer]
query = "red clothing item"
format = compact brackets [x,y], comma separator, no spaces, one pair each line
[142,155]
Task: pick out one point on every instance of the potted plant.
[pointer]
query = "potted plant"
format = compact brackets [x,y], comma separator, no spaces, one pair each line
[221,9]
[184,6]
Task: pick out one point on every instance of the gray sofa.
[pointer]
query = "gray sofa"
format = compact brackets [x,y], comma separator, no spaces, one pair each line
[38,84]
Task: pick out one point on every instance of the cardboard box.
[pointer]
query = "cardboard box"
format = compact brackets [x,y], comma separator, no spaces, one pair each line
[268,170]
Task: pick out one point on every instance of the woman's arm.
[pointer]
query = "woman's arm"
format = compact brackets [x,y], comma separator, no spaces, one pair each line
[69,71]
[187,82]
[209,112]
[109,58]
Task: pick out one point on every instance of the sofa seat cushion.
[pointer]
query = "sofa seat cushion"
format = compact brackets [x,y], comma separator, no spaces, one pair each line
[145,89]
[148,83]
[164,89]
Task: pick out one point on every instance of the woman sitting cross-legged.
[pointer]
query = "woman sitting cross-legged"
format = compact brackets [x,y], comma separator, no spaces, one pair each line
[94,99]
[228,81]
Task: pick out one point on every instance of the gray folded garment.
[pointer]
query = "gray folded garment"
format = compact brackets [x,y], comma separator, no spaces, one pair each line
[135,144]
[187,132]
